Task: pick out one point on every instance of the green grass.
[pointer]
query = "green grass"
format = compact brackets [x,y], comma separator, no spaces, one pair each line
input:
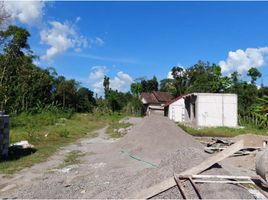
[116,125]
[48,131]
[113,122]
[72,159]
[223,131]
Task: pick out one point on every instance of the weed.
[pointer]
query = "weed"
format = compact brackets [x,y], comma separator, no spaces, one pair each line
[72,158]
[222,131]
[64,133]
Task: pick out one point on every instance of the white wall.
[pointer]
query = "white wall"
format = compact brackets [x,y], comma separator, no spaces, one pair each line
[230,111]
[176,111]
[216,110]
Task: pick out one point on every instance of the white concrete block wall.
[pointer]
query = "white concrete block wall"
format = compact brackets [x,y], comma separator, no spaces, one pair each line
[176,110]
[209,110]
[216,110]
[230,111]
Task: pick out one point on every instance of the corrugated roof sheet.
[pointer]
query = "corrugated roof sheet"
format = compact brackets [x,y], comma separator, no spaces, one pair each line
[156,97]
[163,96]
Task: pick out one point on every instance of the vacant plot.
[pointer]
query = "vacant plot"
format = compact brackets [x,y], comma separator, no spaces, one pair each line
[49,131]
[153,150]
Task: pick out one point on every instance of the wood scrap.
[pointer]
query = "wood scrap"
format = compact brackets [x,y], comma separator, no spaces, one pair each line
[170,182]
[180,186]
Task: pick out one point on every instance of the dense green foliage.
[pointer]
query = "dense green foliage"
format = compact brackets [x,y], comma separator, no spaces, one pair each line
[24,86]
[27,87]
[116,101]
[143,85]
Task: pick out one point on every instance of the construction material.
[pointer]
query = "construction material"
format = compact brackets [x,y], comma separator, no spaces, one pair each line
[262,164]
[178,180]
[201,176]
[180,186]
[139,159]
[4,135]
[219,179]
[168,183]
[244,151]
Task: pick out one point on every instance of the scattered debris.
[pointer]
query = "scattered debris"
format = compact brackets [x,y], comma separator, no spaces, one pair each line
[24,144]
[218,179]
[168,183]
[123,131]
[67,185]
[217,144]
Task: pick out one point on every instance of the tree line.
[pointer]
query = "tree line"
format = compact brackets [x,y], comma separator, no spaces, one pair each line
[23,85]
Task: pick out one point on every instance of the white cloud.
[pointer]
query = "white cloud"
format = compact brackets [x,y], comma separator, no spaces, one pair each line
[242,61]
[170,76]
[120,82]
[61,37]
[27,12]
[96,77]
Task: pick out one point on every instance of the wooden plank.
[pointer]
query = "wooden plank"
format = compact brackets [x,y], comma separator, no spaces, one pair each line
[180,186]
[215,181]
[220,177]
[195,187]
[170,182]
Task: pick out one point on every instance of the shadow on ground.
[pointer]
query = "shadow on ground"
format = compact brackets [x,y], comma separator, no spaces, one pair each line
[15,153]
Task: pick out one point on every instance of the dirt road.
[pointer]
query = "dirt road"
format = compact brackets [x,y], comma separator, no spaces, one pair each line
[153,150]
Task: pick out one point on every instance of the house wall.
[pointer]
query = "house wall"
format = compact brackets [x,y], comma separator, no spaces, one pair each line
[191,108]
[176,111]
[216,110]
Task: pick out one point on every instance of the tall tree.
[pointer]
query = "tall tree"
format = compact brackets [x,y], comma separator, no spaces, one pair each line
[254,73]
[85,100]
[106,85]
[136,88]
[180,80]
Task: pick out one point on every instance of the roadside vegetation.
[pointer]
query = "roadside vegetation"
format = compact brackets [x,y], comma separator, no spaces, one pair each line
[223,131]
[114,129]
[48,131]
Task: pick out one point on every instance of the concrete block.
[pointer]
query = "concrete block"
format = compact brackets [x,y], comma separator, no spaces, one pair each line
[4,135]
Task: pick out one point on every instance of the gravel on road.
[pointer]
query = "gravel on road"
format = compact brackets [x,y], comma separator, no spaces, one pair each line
[152,151]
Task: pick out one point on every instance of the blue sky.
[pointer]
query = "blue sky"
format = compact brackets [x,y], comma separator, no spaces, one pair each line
[127,40]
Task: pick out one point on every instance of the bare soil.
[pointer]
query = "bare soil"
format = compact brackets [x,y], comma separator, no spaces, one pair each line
[153,150]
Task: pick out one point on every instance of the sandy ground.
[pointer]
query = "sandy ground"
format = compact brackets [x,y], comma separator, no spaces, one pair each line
[153,150]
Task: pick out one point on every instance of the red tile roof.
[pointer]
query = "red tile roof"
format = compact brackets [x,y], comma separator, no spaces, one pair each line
[173,100]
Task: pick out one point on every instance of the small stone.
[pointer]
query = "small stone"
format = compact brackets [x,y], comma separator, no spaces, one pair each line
[67,185]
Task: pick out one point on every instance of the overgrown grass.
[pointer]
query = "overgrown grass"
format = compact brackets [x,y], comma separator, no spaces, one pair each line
[223,131]
[48,131]
[113,122]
